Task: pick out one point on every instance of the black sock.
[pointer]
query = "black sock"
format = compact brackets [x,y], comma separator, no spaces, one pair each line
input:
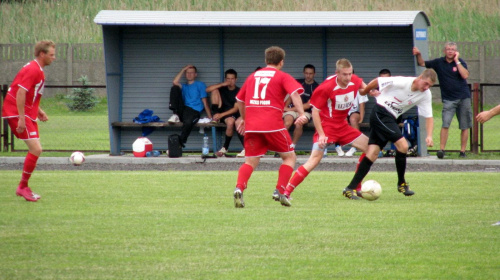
[241,139]
[215,108]
[400,166]
[227,141]
[363,169]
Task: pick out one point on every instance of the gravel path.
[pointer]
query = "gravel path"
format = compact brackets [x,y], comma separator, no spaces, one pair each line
[197,164]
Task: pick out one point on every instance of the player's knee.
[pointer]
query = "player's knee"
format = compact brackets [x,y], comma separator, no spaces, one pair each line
[36,151]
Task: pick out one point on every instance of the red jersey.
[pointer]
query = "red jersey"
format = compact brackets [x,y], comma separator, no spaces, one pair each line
[32,79]
[264,94]
[333,101]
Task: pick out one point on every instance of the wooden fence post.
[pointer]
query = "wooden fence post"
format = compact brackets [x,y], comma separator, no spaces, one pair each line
[4,127]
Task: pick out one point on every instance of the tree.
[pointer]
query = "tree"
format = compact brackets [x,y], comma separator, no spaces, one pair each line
[82,99]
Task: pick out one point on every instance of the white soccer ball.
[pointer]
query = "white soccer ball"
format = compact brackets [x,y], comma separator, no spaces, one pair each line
[77,158]
[371,190]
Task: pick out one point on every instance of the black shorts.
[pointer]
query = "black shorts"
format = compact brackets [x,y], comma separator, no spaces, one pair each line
[234,116]
[383,127]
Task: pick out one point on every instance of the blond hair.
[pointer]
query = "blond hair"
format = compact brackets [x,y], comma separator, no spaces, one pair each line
[429,74]
[43,46]
[274,55]
[343,63]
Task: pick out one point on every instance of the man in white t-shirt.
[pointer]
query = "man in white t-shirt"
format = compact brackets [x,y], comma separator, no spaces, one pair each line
[397,95]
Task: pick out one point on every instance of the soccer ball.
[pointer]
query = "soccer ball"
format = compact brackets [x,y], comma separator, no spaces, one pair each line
[371,190]
[77,158]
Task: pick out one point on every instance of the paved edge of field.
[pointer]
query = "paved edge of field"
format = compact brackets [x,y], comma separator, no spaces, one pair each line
[129,159]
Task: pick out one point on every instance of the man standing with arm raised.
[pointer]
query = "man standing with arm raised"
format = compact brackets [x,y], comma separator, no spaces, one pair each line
[455,94]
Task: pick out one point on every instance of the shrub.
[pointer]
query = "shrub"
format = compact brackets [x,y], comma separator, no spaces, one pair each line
[82,99]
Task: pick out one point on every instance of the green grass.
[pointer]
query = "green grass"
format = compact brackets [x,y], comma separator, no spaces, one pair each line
[173,225]
[72,21]
[491,131]
[71,130]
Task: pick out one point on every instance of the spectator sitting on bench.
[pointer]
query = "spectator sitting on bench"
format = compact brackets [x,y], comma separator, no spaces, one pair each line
[291,114]
[223,99]
[187,101]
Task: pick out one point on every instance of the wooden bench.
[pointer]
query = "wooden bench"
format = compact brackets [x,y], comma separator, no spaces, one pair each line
[217,137]
[167,125]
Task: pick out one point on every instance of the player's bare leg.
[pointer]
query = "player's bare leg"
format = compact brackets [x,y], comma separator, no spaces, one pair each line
[34,152]
[297,133]
[303,171]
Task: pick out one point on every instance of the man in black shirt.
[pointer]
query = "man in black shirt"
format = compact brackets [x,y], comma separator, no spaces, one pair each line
[223,99]
[290,114]
[455,93]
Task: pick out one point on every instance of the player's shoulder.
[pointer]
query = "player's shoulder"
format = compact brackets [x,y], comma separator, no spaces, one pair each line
[356,78]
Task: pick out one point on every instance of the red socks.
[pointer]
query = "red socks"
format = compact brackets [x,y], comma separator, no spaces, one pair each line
[363,155]
[297,178]
[243,176]
[284,175]
[29,166]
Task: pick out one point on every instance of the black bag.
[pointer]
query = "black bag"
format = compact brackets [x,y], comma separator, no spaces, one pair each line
[174,146]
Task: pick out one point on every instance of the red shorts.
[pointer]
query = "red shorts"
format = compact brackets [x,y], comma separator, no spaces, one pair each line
[257,144]
[342,133]
[31,131]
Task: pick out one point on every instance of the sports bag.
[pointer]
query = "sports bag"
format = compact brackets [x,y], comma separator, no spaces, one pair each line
[174,146]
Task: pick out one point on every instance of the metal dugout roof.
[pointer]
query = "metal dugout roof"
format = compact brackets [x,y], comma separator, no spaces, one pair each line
[262,19]
[144,50]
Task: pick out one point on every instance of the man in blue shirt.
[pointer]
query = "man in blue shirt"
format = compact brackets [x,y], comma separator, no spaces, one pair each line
[455,93]
[187,101]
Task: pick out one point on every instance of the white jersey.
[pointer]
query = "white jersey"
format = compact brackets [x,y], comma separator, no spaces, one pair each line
[397,97]
[355,104]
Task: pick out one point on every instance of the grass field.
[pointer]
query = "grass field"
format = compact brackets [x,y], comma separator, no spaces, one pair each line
[175,225]
[72,21]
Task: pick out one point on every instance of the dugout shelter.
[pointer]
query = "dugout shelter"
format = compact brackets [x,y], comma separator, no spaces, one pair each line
[144,50]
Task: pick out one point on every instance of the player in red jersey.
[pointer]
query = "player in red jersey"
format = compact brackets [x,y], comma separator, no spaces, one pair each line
[331,102]
[22,109]
[261,102]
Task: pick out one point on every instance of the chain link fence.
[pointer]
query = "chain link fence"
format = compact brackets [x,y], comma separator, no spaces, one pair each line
[78,115]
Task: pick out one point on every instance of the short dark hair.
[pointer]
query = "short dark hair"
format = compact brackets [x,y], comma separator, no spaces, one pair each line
[274,55]
[230,71]
[384,71]
[194,67]
[310,66]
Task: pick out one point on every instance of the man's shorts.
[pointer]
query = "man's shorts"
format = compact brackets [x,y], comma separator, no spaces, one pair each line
[234,116]
[462,108]
[383,127]
[257,144]
[295,115]
[31,131]
[342,133]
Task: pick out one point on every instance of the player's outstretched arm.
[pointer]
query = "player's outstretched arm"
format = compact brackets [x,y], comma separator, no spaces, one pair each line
[429,126]
[487,115]
[371,86]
